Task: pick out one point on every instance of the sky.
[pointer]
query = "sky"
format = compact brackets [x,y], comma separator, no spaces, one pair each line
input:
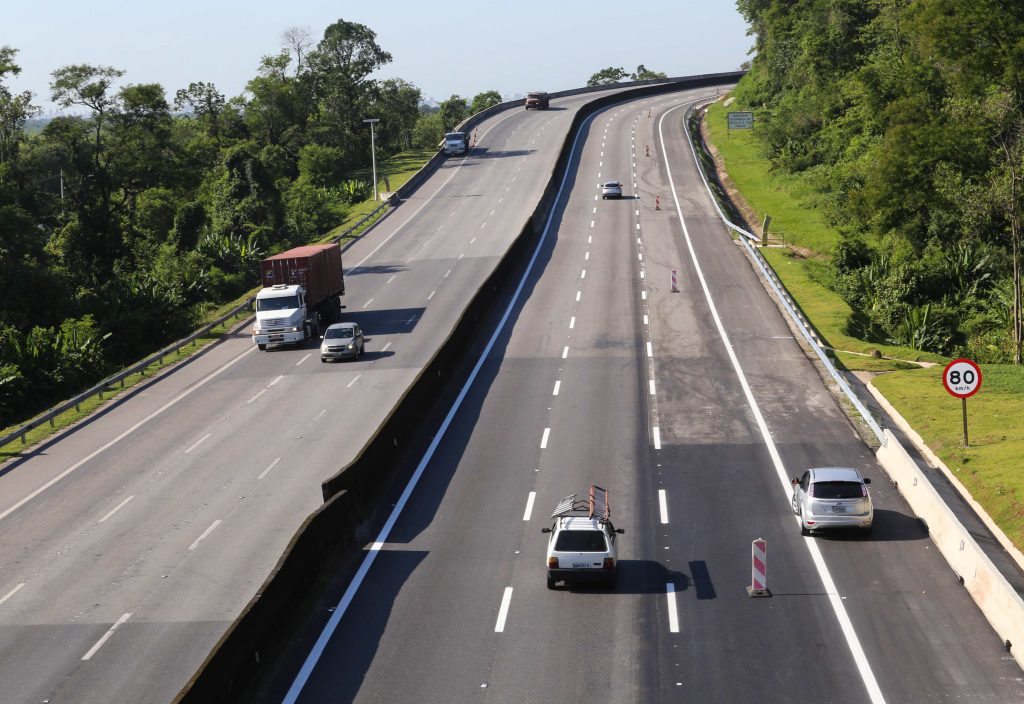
[442,47]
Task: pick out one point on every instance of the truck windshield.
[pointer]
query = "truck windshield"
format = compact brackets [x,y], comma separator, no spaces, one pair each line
[277,303]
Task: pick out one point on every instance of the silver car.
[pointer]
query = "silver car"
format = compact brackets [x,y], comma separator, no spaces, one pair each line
[832,497]
[611,189]
[341,341]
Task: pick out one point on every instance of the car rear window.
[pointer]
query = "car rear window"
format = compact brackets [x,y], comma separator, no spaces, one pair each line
[836,490]
[581,541]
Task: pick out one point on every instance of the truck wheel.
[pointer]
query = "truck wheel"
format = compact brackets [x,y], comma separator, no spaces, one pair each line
[262,346]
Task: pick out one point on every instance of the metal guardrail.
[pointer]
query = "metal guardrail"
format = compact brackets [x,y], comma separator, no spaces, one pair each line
[788,303]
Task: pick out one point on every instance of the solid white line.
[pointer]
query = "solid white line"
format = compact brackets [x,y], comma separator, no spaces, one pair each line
[304,359]
[275,381]
[650,349]
[11,593]
[258,394]
[860,659]
[368,303]
[116,509]
[499,627]
[101,641]
[572,322]
[382,349]
[371,554]
[355,379]
[544,439]
[663,505]
[558,385]
[657,437]
[197,443]
[651,382]
[266,471]
[529,507]
[205,534]
[673,616]
[565,351]
[123,435]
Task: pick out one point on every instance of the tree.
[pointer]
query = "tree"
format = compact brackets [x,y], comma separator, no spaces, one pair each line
[453,111]
[642,73]
[298,40]
[396,104]
[482,101]
[15,109]
[205,102]
[607,76]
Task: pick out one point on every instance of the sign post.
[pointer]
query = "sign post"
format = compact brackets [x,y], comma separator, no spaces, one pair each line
[962,378]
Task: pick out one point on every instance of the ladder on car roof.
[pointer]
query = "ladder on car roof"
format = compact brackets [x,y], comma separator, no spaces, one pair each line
[595,505]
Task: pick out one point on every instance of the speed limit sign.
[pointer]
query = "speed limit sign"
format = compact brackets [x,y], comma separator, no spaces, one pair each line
[962,378]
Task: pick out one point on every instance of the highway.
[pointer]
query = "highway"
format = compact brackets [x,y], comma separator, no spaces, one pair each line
[694,408]
[132,541]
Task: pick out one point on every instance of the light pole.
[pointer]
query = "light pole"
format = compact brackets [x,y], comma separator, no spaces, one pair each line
[373,153]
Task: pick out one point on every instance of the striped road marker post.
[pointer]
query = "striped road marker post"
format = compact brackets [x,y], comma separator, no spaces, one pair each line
[675,283]
[758,569]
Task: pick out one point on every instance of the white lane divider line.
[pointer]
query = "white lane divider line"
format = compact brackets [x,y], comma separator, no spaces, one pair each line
[646,320]
[595,210]
[258,394]
[591,223]
[643,295]
[385,347]
[472,240]
[447,273]
[640,256]
[578,294]
[583,274]
[205,535]
[461,256]
[529,505]
[368,302]
[544,438]
[197,443]
[266,471]
[673,615]
[638,224]
[275,381]
[565,351]
[663,505]
[391,279]
[650,348]
[590,239]
[106,636]
[651,382]
[642,274]
[586,257]
[356,377]
[572,322]
[11,593]
[116,508]
[506,599]
[483,224]
[558,385]
[304,359]
[656,432]
[320,415]
[431,295]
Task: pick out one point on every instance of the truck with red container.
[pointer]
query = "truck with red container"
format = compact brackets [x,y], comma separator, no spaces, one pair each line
[300,296]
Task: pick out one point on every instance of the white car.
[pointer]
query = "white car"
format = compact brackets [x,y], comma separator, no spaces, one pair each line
[832,497]
[611,189]
[581,547]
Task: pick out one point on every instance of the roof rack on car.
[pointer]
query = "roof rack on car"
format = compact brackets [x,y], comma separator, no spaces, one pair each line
[594,505]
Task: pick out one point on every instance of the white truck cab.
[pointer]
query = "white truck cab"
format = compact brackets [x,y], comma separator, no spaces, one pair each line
[581,546]
[281,316]
[456,143]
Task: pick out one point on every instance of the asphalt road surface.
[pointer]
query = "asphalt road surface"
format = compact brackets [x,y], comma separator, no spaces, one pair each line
[132,542]
[693,408]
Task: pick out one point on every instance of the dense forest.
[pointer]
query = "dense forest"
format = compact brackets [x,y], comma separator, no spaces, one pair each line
[126,221]
[906,118]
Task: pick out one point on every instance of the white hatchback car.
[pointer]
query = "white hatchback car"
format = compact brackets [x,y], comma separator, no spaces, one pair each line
[832,497]
[611,189]
[582,543]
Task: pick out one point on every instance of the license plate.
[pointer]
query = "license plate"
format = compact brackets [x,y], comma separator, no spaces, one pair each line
[839,508]
[580,565]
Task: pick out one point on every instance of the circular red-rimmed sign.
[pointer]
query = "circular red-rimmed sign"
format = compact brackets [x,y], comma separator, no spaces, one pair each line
[962,378]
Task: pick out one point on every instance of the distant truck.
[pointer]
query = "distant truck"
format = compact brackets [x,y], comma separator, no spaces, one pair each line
[301,289]
[537,99]
[456,143]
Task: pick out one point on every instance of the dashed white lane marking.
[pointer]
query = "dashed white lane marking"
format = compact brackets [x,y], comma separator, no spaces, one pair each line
[590,239]
[447,273]
[270,466]
[490,213]
[583,274]
[391,279]
[368,303]
[461,256]
[565,351]
[643,295]
[558,385]
[646,319]
[106,636]
[11,593]
[663,505]
[275,381]
[320,415]
[572,322]
[586,257]
[637,213]
[513,178]
[544,438]
[638,224]
[472,240]
[600,163]
[197,443]
[258,394]
[355,378]
[529,505]
[650,349]
[499,627]
[304,359]
[651,382]
[382,349]
[640,256]
[499,201]
[483,224]
[431,295]
[591,223]
[116,508]
[205,535]
[578,294]
[642,274]
[595,208]
[656,432]
[595,196]
[673,615]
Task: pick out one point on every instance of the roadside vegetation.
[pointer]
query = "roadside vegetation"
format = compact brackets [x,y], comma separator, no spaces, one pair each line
[129,221]
[888,149]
